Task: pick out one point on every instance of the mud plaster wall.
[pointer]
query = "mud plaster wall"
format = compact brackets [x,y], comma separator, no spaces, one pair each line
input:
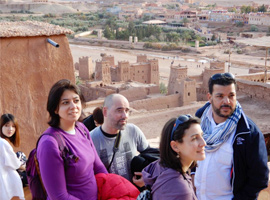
[134,94]
[92,93]
[254,89]
[165,102]
[258,77]
[29,66]
[85,68]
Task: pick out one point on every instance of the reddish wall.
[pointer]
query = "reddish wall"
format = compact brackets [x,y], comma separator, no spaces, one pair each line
[29,67]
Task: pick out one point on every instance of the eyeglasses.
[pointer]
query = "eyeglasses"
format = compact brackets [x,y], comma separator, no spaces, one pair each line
[180,120]
[222,75]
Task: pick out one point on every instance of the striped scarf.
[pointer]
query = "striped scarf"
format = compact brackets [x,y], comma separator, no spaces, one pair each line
[221,133]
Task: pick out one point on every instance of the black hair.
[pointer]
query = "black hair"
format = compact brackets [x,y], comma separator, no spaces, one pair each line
[98,115]
[15,138]
[223,80]
[54,98]
[168,157]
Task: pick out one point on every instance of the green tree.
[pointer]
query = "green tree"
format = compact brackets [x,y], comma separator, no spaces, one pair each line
[185,21]
[213,38]
[163,89]
[131,28]
[253,28]
[108,33]
[262,8]
[186,36]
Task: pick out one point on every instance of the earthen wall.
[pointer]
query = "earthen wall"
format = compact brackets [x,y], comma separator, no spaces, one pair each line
[110,59]
[164,102]
[92,93]
[85,68]
[141,58]
[29,67]
[134,94]
[188,92]
[255,90]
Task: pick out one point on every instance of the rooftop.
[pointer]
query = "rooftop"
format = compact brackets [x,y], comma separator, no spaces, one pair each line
[30,28]
[258,42]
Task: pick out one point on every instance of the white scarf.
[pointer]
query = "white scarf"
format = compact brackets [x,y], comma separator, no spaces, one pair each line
[215,138]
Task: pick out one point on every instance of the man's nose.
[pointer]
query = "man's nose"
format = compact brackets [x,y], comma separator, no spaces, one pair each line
[125,114]
[226,100]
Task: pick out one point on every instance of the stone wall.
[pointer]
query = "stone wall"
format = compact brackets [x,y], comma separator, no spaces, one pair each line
[92,93]
[134,94]
[29,67]
[164,102]
[255,90]
[138,93]
[257,77]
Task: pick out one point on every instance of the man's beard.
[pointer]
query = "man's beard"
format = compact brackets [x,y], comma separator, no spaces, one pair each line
[218,110]
[120,126]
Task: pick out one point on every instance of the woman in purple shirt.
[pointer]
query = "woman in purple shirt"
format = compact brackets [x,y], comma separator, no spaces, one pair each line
[181,144]
[77,180]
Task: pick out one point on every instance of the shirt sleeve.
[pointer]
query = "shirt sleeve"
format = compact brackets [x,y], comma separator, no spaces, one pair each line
[10,158]
[142,143]
[52,169]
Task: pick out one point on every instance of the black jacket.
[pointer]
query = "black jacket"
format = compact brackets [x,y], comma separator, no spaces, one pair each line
[249,170]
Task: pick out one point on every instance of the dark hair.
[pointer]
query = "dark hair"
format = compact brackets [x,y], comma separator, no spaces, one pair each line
[98,115]
[167,154]
[15,138]
[222,80]
[54,98]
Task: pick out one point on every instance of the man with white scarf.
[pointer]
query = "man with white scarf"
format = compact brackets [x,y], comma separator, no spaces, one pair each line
[236,158]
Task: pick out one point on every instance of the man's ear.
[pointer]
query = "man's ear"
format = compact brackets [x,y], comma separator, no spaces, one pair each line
[209,97]
[104,111]
[174,146]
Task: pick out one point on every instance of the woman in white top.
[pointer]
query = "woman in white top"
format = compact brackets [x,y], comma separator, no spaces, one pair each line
[10,181]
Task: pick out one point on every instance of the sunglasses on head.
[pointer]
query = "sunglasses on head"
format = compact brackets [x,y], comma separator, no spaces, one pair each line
[180,120]
[222,75]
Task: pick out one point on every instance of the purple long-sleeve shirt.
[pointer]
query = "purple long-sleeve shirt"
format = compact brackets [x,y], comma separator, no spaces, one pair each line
[78,181]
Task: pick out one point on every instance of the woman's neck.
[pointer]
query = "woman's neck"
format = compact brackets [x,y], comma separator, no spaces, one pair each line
[186,165]
[67,126]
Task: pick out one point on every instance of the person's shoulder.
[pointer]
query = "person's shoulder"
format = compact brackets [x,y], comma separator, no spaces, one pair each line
[132,128]
[246,124]
[175,181]
[4,143]
[95,132]
[46,139]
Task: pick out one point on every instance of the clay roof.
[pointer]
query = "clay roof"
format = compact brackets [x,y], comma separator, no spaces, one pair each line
[30,28]
[258,42]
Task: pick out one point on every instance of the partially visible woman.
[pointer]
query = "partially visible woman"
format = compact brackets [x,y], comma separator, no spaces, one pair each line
[10,181]
[76,179]
[181,144]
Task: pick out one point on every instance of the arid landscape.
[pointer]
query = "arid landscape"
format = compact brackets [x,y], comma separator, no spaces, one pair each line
[152,122]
